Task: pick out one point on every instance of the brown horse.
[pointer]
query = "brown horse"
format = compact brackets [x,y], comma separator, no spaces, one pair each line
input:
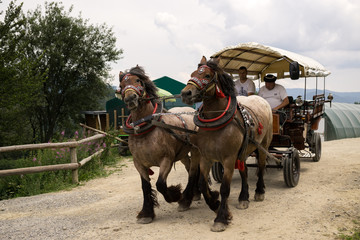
[152,145]
[226,126]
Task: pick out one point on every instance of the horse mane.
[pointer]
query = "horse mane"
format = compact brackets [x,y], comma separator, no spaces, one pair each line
[150,87]
[225,80]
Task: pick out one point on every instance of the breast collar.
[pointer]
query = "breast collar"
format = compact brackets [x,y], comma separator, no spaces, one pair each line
[143,125]
[219,122]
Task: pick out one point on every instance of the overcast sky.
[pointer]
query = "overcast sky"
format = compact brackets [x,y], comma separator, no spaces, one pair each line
[168,38]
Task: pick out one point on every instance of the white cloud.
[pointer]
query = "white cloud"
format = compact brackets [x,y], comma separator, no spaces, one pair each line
[169,37]
[165,20]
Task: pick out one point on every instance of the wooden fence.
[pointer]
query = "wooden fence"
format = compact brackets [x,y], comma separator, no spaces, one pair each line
[74,165]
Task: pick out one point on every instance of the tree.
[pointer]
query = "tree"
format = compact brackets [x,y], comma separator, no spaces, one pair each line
[75,57]
[19,80]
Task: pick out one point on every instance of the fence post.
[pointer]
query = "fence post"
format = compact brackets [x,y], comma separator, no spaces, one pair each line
[115,120]
[75,172]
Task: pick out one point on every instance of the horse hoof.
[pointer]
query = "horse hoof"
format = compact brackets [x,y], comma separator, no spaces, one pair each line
[197,197]
[243,205]
[218,227]
[259,197]
[183,208]
[145,220]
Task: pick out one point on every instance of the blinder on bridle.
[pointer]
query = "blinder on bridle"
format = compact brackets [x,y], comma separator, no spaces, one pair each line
[139,90]
[202,84]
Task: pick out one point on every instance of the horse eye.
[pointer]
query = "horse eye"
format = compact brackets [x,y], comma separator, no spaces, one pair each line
[207,76]
[138,80]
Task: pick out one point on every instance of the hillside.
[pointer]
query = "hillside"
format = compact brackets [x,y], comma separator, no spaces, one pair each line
[342,97]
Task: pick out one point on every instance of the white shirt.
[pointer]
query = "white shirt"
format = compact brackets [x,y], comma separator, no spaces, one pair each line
[274,96]
[243,89]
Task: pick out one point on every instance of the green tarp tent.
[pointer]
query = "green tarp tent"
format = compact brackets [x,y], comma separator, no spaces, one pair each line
[342,120]
[169,84]
[174,87]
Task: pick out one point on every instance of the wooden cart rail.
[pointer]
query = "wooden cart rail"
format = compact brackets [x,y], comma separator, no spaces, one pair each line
[74,165]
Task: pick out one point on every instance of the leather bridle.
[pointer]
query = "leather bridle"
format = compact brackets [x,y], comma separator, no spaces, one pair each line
[202,84]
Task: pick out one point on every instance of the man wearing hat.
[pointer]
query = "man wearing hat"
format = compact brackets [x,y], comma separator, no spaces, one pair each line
[274,93]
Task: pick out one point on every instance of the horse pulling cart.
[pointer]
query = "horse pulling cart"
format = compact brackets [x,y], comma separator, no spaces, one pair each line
[223,132]
[300,118]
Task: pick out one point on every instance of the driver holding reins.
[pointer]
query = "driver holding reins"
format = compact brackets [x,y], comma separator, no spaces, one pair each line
[274,93]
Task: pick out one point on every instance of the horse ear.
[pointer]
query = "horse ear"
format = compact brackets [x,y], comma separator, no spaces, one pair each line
[121,73]
[216,60]
[203,61]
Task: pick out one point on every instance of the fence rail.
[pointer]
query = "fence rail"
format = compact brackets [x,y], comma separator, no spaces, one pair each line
[74,165]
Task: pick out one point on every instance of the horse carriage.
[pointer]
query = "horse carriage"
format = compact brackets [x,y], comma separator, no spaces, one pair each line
[223,132]
[300,118]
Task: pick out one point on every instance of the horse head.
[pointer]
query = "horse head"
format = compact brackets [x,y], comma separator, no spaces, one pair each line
[208,81]
[136,87]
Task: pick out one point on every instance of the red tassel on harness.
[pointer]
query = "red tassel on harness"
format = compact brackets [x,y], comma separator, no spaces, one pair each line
[260,128]
[240,165]
[219,93]
[151,172]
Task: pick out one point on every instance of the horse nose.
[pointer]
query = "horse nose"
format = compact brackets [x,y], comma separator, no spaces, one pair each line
[131,101]
[186,96]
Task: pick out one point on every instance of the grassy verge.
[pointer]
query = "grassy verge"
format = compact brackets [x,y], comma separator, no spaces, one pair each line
[354,234]
[38,183]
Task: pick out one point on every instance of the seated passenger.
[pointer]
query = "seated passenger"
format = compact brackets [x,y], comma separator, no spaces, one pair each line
[244,86]
[274,93]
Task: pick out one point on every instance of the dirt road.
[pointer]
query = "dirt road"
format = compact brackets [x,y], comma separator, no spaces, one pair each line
[326,200]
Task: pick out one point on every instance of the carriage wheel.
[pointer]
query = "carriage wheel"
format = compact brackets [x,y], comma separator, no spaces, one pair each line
[217,171]
[123,149]
[316,139]
[292,168]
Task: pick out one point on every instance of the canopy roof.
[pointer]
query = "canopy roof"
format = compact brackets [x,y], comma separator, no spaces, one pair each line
[261,60]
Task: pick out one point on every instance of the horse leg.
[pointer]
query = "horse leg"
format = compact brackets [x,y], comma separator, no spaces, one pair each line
[260,185]
[223,215]
[147,214]
[172,193]
[211,197]
[194,173]
[244,194]
[196,187]
[192,167]
[191,187]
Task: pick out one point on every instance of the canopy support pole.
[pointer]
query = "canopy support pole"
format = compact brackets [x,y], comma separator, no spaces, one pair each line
[305,90]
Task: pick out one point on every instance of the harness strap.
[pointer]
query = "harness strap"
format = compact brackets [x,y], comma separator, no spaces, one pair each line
[248,121]
[142,125]
[219,122]
[168,129]
[241,153]
[167,126]
[265,151]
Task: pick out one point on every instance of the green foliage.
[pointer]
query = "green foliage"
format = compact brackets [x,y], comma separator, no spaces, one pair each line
[20,82]
[33,184]
[355,233]
[76,56]
[53,66]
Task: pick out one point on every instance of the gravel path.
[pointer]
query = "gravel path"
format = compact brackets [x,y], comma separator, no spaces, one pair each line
[326,200]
